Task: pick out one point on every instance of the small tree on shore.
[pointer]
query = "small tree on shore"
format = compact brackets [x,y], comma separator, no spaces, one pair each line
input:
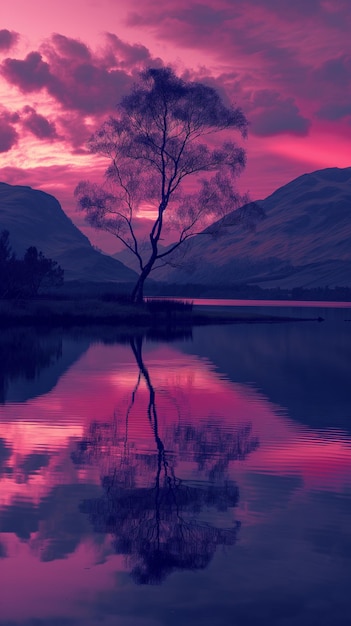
[160,138]
[39,272]
[25,277]
[6,261]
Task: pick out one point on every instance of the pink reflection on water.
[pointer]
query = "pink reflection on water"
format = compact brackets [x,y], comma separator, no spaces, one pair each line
[98,390]
[322,463]
[99,387]
[31,588]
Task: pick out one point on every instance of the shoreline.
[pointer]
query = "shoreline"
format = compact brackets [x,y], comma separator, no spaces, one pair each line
[51,313]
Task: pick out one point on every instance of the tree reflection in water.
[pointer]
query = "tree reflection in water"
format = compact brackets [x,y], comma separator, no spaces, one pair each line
[160,522]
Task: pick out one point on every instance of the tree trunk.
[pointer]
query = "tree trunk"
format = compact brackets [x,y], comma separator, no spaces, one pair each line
[137,295]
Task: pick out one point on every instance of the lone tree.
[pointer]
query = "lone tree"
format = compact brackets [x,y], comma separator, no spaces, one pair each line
[160,138]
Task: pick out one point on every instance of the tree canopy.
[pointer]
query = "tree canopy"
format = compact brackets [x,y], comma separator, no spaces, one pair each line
[162,155]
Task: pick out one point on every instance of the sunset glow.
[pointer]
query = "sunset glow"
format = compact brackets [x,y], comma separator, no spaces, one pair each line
[64,67]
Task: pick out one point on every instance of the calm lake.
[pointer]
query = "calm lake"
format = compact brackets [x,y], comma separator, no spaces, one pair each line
[202,480]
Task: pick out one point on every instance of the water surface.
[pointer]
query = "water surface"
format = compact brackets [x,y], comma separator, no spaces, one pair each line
[204,480]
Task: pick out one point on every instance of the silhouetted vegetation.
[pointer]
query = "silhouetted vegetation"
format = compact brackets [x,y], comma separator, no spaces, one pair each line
[25,277]
[157,139]
[168,306]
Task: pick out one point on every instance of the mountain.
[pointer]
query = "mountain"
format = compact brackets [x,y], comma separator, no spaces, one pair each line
[303,241]
[35,218]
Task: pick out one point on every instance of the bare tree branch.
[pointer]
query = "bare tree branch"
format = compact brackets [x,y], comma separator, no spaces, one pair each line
[154,144]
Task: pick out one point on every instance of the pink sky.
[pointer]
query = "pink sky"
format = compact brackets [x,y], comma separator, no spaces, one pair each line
[64,66]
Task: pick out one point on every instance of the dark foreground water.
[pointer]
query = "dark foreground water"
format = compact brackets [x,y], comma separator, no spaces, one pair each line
[200,481]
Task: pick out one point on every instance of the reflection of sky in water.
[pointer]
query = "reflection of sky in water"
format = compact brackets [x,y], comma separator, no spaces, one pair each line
[292,552]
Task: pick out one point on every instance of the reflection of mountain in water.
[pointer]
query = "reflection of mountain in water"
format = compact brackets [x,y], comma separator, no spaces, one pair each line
[302,366]
[160,521]
[33,360]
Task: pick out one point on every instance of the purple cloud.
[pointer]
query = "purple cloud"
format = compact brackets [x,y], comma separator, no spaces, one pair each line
[8,134]
[83,83]
[38,125]
[8,39]
[291,10]
[260,40]
[183,22]
[78,79]
[202,16]
[336,71]
[334,111]
[332,82]
[70,48]
[76,131]
[30,74]
[125,54]
[273,114]
[280,119]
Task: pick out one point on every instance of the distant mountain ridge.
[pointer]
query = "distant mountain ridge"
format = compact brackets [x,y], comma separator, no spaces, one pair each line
[303,241]
[35,218]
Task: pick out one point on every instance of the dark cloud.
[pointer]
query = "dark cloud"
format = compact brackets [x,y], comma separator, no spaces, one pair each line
[274,44]
[330,12]
[247,36]
[29,74]
[332,81]
[78,79]
[71,48]
[273,115]
[76,131]
[291,10]
[8,136]
[125,54]
[268,112]
[186,23]
[89,88]
[8,39]
[336,72]
[203,16]
[336,14]
[8,133]
[334,111]
[38,125]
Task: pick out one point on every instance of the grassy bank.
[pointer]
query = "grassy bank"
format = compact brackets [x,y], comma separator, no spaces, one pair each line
[99,311]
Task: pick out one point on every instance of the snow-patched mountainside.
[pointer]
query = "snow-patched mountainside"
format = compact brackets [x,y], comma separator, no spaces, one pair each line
[304,240]
[35,218]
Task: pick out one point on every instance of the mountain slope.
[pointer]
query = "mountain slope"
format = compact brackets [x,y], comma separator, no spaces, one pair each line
[304,240]
[35,218]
